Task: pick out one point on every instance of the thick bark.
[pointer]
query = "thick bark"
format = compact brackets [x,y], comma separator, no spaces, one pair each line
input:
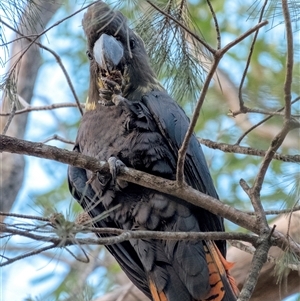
[184,192]
[12,165]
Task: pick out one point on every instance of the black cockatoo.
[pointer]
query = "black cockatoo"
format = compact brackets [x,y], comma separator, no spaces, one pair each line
[130,118]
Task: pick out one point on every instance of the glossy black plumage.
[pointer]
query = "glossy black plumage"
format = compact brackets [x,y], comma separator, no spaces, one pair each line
[144,129]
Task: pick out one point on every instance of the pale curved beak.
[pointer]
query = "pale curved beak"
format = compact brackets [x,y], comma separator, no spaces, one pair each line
[108,52]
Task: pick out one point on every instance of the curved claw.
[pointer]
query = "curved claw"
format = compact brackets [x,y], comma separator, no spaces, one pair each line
[105,97]
[111,93]
[112,85]
[114,166]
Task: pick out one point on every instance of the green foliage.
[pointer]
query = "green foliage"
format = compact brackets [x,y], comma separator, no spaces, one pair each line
[168,46]
[15,14]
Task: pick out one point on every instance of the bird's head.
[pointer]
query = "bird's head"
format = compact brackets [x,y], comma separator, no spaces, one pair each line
[114,47]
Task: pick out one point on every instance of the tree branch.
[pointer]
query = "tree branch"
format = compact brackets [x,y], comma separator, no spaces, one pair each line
[119,235]
[233,148]
[30,108]
[183,149]
[289,60]
[241,101]
[246,109]
[12,171]
[58,59]
[217,57]
[37,36]
[254,192]
[268,288]
[62,233]
[259,259]
[184,192]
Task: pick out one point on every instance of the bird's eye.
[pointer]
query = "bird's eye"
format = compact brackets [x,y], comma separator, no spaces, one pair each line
[132,43]
[89,55]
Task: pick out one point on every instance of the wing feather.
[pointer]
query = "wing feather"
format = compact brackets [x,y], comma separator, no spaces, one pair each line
[123,252]
[173,125]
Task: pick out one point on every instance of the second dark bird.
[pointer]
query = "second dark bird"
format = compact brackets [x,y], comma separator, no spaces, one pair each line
[130,117]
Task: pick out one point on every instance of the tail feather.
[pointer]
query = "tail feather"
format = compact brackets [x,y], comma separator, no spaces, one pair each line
[223,287]
[156,295]
[227,266]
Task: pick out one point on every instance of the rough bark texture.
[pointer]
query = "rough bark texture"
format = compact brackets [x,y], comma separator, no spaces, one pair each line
[12,165]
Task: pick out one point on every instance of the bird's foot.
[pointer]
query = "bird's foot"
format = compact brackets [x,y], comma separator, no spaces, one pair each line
[111,94]
[115,166]
[118,99]
[105,97]
[113,86]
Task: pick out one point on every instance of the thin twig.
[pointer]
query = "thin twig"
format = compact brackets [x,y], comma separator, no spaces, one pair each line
[29,254]
[217,57]
[279,138]
[217,27]
[16,39]
[65,235]
[243,36]
[123,235]
[86,260]
[59,138]
[118,235]
[233,148]
[54,106]
[10,118]
[254,192]
[183,149]
[184,192]
[276,212]
[58,59]
[69,240]
[251,250]
[261,122]
[289,60]
[260,111]
[254,196]
[249,58]
[259,258]
[31,217]
[43,32]
[201,41]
